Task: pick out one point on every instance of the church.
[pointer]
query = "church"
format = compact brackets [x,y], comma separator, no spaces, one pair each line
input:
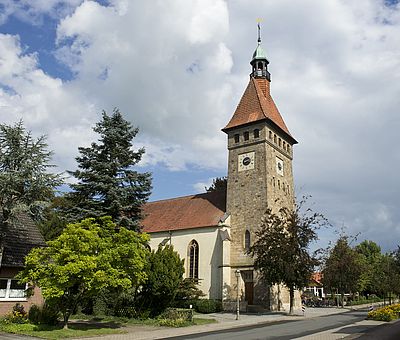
[214,230]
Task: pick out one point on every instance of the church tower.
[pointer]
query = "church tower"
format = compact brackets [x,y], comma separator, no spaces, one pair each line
[260,174]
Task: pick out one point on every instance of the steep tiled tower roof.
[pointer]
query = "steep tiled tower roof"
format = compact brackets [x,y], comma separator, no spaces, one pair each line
[256,103]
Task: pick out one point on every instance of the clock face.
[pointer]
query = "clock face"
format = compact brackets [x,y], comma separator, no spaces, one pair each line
[279,166]
[246,161]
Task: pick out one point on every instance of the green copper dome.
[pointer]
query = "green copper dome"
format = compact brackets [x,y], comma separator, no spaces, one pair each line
[259,53]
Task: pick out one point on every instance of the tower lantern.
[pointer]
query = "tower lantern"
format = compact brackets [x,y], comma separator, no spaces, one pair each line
[259,62]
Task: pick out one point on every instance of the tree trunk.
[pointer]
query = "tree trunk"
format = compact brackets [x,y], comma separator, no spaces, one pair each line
[65,318]
[291,297]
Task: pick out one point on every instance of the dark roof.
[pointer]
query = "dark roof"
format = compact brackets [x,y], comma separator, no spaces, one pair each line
[203,210]
[256,105]
[20,237]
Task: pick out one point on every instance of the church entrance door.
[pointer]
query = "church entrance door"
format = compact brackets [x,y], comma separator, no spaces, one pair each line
[249,292]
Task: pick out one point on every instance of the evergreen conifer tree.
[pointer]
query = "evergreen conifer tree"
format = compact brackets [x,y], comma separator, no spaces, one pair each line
[107,184]
[25,181]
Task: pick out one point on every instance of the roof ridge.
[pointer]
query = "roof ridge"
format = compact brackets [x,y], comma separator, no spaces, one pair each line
[180,197]
[258,96]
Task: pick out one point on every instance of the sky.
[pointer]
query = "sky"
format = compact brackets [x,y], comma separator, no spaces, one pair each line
[177,69]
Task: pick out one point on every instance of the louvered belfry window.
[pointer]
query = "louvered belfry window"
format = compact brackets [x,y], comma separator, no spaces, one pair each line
[193,260]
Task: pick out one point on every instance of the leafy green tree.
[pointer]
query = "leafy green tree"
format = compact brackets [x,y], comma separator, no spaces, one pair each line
[386,276]
[370,254]
[25,180]
[164,278]
[107,184]
[281,251]
[343,268]
[88,257]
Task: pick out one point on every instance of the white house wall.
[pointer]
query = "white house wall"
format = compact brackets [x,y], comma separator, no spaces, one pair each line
[210,255]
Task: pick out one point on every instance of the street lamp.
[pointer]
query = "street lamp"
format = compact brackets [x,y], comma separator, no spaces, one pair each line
[237,274]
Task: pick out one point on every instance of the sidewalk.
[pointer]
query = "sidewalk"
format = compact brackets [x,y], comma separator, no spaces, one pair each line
[224,321]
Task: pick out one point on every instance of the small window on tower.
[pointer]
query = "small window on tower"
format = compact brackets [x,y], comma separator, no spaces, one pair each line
[256,133]
[246,135]
[288,148]
[275,138]
[236,138]
[247,240]
[284,145]
[279,142]
[270,135]
[279,184]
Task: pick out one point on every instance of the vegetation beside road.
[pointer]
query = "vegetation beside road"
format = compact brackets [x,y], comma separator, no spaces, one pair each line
[387,313]
[82,325]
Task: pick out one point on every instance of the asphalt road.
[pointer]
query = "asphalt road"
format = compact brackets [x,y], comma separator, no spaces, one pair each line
[284,330]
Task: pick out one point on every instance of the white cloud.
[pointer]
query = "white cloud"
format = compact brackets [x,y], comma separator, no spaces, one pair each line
[177,69]
[201,186]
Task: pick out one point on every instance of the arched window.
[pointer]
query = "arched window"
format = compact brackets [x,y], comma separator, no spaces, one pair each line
[247,240]
[193,260]
[270,135]
[275,138]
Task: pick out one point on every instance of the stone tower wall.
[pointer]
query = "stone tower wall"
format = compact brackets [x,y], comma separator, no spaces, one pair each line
[251,192]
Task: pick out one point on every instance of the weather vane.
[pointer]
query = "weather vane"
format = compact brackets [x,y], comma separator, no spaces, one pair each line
[259,20]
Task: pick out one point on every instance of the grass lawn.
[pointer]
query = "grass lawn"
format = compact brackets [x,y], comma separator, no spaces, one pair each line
[57,332]
[80,326]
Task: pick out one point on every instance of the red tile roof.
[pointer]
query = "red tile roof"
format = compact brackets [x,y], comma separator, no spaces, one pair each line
[255,105]
[317,277]
[203,210]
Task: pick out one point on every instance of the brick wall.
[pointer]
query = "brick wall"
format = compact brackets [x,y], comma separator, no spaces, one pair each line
[6,306]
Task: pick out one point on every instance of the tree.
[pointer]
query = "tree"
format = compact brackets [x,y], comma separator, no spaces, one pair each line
[25,181]
[386,276]
[343,268]
[88,257]
[164,277]
[370,254]
[281,248]
[54,221]
[107,185]
[218,184]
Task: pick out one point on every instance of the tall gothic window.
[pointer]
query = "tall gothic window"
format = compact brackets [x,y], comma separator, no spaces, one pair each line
[247,240]
[193,260]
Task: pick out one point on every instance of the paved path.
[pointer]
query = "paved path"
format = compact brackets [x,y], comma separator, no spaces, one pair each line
[226,321]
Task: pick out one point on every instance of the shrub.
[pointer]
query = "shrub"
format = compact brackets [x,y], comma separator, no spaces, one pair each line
[207,306]
[177,313]
[173,323]
[44,315]
[17,315]
[388,313]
